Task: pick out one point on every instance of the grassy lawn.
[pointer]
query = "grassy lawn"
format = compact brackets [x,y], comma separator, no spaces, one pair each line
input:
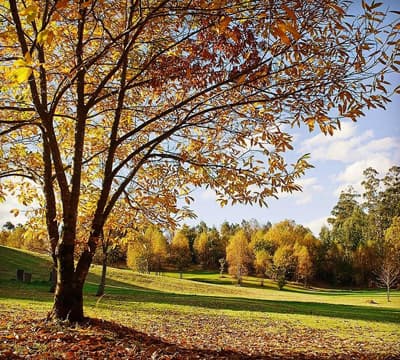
[203,311]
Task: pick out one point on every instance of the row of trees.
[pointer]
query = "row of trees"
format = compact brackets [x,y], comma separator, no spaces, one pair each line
[283,251]
[360,245]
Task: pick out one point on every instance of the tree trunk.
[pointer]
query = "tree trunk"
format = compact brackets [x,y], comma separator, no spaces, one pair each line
[68,298]
[239,275]
[100,290]
[388,293]
[68,302]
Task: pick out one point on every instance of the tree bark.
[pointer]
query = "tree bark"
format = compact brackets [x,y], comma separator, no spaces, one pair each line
[68,302]
[68,297]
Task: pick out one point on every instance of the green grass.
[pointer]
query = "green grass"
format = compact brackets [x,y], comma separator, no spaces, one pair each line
[166,304]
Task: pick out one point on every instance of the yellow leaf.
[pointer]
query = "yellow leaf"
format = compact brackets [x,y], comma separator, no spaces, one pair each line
[311,123]
[293,31]
[20,63]
[22,74]
[45,36]
[218,4]
[28,58]
[22,69]
[30,12]
[241,79]
[280,31]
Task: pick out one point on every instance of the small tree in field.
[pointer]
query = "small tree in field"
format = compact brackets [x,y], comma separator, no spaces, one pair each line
[209,248]
[202,248]
[159,248]
[263,263]
[139,101]
[238,255]
[305,267]
[389,273]
[283,264]
[281,278]
[180,252]
[138,254]
[388,276]
[222,263]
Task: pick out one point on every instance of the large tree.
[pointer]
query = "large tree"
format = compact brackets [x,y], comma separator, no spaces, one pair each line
[142,99]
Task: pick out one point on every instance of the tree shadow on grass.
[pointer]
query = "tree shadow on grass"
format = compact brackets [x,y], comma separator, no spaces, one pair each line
[353,312]
[38,291]
[293,288]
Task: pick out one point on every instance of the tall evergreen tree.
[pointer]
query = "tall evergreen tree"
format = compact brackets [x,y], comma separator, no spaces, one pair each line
[371,197]
[390,196]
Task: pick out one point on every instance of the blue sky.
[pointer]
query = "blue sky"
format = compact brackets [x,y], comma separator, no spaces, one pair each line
[338,161]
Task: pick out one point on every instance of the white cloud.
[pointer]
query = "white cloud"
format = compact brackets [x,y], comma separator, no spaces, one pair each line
[383,144]
[356,151]
[310,188]
[353,174]
[321,140]
[208,194]
[341,149]
[316,225]
[348,147]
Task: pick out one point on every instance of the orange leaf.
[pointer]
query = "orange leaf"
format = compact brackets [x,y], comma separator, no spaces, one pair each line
[289,12]
[61,4]
[224,23]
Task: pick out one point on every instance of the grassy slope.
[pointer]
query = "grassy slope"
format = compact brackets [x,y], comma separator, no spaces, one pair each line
[164,305]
